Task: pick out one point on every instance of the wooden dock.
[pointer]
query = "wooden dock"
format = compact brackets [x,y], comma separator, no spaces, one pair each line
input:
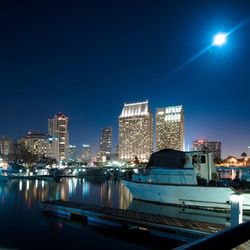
[128,218]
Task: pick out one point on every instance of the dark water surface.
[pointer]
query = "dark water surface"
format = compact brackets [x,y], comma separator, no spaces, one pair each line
[23,225]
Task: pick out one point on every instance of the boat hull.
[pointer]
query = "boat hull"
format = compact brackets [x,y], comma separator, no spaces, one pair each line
[216,198]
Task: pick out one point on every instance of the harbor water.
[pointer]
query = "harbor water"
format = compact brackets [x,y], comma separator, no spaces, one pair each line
[25,226]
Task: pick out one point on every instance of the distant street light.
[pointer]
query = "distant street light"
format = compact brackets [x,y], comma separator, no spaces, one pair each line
[220,39]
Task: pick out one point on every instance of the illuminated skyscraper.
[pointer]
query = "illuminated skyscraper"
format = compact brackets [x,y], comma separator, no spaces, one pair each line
[72,155]
[200,144]
[170,128]
[86,153]
[135,132]
[58,127]
[215,148]
[41,144]
[6,147]
[105,142]
[209,146]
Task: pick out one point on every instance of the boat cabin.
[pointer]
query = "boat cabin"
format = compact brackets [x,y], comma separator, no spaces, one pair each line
[170,166]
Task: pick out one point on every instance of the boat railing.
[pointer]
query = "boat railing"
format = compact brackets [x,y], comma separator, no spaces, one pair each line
[144,171]
[230,238]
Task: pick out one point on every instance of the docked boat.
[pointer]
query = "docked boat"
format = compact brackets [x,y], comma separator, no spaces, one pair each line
[92,174]
[16,170]
[185,179]
[40,169]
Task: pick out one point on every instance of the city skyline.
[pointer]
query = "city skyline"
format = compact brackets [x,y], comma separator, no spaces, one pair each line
[96,146]
[85,59]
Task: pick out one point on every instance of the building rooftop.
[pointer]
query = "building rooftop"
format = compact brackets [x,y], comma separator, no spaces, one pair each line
[135,109]
[60,115]
[170,109]
[36,134]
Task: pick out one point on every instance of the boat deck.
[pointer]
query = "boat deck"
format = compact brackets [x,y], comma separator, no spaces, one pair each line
[127,218]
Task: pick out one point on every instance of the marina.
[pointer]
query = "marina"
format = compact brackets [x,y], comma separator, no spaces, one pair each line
[130,218]
[103,204]
[56,232]
[125,125]
[107,204]
[178,197]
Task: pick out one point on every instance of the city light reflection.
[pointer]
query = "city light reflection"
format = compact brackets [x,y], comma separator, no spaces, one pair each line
[20,185]
[106,193]
[75,182]
[85,189]
[70,187]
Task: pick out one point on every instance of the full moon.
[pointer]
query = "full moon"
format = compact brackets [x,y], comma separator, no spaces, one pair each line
[220,39]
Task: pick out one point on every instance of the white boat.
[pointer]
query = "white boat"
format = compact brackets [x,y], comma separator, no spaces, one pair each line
[185,179]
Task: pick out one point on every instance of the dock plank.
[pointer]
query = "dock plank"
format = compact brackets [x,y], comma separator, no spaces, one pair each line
[130,216]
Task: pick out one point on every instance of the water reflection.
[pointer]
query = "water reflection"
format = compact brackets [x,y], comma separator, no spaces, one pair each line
[232,172]
[85,189]
[222,218]
[20,212]
[23,226]
[106,193]
[20,185]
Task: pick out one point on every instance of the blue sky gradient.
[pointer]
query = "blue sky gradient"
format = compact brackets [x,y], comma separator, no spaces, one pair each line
[86,58]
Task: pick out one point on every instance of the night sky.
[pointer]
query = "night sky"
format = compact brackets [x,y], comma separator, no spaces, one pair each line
[86,58]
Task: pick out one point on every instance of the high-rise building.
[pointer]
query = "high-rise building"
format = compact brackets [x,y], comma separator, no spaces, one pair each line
[170,128]
[200,144]
[105,142]
[41,144]
[58,127]
[135,132]
[209,146]
[86,153]
[115,154]
[101,156]
[6,147]
[72,156]
[215,148]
